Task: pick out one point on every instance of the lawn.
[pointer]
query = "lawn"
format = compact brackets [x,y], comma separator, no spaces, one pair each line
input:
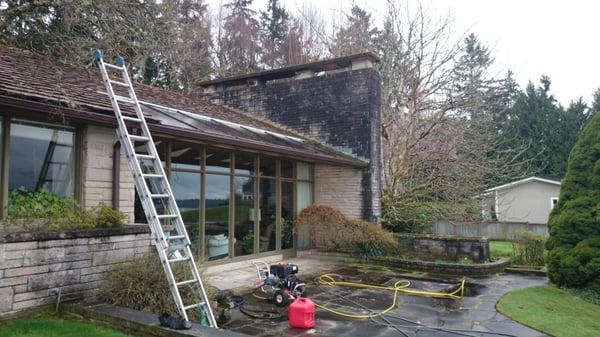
[500,249]
[553,311]
[44,327]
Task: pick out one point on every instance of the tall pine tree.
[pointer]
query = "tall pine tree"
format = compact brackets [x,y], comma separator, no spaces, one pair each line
[275,25]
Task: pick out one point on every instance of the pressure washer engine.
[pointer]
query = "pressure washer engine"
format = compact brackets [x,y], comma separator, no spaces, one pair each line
[279,282]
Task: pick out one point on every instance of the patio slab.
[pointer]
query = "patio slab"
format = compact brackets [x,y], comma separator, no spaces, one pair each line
[241,277]
[475,312]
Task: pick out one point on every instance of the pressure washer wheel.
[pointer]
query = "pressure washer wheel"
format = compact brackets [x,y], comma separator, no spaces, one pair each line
[280,298]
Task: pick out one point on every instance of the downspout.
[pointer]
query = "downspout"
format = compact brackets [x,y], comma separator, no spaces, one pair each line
[116,181]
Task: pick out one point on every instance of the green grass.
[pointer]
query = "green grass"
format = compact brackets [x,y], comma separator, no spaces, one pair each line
[500,249]
[553,311]
[44,327]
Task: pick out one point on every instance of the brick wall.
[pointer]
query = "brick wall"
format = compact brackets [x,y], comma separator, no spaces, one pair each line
[341,108]
[35,266]
[339,187]
[98,171]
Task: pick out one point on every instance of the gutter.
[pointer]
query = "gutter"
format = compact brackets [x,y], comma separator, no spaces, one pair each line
[110,121]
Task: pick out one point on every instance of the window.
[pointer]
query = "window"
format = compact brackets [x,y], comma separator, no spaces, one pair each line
[235,203]
[287,214]
[41,156]
[553,202]
[268,214]
[218,161]
[186,188]
[216,223]
[244,216]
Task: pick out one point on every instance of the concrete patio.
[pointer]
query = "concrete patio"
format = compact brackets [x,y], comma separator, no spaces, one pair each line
[414,316]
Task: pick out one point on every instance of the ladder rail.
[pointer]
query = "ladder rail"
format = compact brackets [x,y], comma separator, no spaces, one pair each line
[171,213]
[173,207]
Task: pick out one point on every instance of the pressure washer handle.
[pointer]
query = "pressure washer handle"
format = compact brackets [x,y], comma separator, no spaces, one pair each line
[257,265]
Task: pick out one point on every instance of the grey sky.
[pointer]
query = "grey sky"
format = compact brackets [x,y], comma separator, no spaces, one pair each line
[530,37]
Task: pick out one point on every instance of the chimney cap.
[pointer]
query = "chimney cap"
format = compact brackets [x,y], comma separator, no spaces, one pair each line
[291,71]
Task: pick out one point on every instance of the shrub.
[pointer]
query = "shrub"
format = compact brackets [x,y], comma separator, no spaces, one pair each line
[574,224]
[142,285]
[529,249]
[43,210]
[324,224]
[41,204]
[331,230]
[369,240]
[108,217]
[406,216]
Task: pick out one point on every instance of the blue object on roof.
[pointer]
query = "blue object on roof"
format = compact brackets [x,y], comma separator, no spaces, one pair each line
[97,55]
[120,61]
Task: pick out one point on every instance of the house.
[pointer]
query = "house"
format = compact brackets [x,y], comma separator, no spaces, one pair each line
[243,156]
[528,201]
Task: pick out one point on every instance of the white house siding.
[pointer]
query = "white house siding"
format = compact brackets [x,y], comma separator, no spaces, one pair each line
[528,202]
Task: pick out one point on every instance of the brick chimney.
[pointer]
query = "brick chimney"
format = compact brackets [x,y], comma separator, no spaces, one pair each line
[336,101]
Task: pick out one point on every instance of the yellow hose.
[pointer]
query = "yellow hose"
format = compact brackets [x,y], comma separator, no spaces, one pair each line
[400,287]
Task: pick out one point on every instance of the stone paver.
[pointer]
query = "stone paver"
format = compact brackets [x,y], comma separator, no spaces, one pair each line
[241,279]
[475,312]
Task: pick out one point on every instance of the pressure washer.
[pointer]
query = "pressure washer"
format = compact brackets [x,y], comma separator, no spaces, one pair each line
[279,282]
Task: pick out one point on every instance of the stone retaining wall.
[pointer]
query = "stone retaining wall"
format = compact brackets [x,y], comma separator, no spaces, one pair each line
[474,269]
[445,247]
[35,267]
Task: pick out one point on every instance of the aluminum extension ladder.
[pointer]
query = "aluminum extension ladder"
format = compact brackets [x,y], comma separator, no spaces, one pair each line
[154,190]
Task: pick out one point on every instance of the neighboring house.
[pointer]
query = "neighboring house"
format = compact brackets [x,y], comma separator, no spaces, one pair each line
[529,201]
[293,136]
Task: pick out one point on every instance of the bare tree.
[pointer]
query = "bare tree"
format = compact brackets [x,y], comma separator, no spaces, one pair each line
[433,153]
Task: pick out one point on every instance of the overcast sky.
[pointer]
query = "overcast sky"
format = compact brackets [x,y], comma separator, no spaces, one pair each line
[530,37]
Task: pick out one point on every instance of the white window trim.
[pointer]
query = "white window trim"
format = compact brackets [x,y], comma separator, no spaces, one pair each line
[552,199]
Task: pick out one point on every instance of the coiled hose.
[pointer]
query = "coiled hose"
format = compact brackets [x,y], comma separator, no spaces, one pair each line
[400,287]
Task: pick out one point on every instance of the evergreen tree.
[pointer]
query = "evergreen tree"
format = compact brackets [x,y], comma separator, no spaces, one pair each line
[356,35]
[165,43]
[596,101]
[548,130]
[239,48]
[574,243]
[275,24]
[473,88]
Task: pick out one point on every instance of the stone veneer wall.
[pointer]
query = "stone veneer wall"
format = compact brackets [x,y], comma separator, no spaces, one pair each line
[98,143]
[339,187]
[447,248]
[35,266]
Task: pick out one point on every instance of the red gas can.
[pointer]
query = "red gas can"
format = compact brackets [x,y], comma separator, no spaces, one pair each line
[302,313]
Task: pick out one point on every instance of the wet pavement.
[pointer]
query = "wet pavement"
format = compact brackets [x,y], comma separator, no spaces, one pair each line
[414,316]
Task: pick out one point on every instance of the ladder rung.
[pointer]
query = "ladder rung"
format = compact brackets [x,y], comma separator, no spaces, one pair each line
[132,119]
[152,175]
[179,259]
[139,138]
[192,306]
[158,196]
[123,84]
[112,66]
[145,156]
[182,283]
[176,237]
[166,216]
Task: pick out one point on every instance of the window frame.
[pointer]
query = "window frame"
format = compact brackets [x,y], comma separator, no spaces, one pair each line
[232,203]
[7,118]
[552,202]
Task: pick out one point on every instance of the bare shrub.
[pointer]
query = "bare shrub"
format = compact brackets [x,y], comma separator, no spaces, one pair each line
[529,249]
[142,285]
